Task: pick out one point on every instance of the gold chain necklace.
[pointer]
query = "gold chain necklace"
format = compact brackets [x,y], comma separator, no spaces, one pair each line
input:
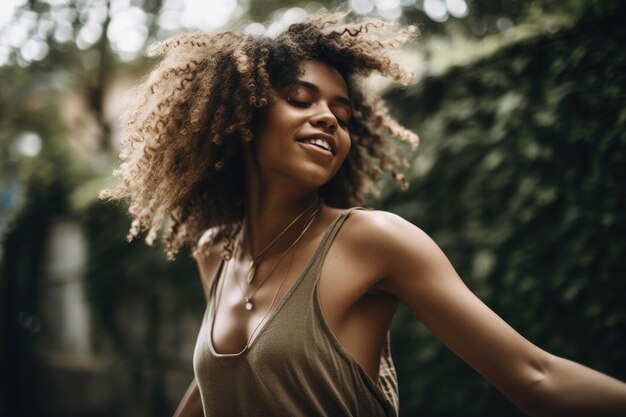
[255,258]
[269,309]
[248,299]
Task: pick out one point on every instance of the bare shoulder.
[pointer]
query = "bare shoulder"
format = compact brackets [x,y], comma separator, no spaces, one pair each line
[390,245]
[382,230]
[377,220]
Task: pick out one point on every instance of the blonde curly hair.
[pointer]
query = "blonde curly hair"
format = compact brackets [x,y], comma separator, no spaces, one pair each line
[182,149]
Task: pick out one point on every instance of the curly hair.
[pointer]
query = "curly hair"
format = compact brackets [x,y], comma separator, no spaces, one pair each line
[182,160]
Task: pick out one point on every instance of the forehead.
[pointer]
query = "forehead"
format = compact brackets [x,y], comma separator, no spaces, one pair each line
[324,76]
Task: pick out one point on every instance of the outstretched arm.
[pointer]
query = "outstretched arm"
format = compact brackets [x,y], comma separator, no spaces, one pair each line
[541,384]
[571,389]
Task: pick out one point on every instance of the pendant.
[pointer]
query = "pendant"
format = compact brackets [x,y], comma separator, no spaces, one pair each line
[251,273]
[248,305]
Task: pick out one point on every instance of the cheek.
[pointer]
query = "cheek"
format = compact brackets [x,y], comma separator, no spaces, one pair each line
[346,145]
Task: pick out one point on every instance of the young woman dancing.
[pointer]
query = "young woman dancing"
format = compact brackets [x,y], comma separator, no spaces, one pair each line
[255,151]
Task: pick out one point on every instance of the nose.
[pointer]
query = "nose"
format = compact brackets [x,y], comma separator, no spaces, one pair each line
[325,119]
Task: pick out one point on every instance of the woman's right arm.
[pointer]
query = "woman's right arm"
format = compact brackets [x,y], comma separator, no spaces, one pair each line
[190,405]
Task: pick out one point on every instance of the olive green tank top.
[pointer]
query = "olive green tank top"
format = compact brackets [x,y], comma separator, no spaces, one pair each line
[295,366]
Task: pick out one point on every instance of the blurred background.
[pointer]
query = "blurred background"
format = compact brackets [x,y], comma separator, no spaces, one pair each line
[520,178]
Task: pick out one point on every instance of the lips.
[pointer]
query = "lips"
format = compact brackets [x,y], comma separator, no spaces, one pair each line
[320,140]
[319,143]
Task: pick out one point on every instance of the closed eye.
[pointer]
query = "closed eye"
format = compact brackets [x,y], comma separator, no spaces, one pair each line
[304,104]
[297,103]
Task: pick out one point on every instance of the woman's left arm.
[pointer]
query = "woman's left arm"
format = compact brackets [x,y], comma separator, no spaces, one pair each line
[419,274]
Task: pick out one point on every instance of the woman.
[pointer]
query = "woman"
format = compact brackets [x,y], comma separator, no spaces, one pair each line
[254,148]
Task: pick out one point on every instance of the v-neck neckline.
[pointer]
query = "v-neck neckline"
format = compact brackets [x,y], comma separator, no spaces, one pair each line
[250,344]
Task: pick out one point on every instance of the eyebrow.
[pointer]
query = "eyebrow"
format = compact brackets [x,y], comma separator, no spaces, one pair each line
[316,89]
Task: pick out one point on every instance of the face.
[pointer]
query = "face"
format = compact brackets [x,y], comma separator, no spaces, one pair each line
[304,135]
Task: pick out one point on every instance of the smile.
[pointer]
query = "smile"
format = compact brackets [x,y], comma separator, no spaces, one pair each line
[317,147]
[321,143]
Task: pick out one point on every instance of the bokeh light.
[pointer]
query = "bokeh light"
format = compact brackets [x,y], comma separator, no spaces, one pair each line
[457,8]
[28,144]
[7,10]
[436,10]
[34,49]
[283,19]
[207,15]
[128,32]
[362,7]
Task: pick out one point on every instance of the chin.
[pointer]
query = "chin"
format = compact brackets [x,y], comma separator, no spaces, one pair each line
[316,182]
[317,177]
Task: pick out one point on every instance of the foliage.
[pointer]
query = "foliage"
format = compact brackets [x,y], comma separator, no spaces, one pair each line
[520,179]
[45,180]
[120,273]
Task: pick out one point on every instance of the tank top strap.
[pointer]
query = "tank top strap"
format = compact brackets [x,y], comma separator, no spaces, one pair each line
[330,235]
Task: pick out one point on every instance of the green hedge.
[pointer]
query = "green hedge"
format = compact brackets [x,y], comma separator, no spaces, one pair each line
[521,179]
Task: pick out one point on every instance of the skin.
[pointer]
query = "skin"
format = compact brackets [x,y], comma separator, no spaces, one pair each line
[377,251]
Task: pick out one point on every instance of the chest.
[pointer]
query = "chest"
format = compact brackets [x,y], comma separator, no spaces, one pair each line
[303,292]
[242,309]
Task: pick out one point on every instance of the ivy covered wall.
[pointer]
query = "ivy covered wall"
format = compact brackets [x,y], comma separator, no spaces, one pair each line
[521,179]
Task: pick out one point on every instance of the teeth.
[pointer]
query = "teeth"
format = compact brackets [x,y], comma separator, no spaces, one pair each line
[318,142]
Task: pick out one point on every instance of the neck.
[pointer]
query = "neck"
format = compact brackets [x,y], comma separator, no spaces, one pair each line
[269,210]
[273,201]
